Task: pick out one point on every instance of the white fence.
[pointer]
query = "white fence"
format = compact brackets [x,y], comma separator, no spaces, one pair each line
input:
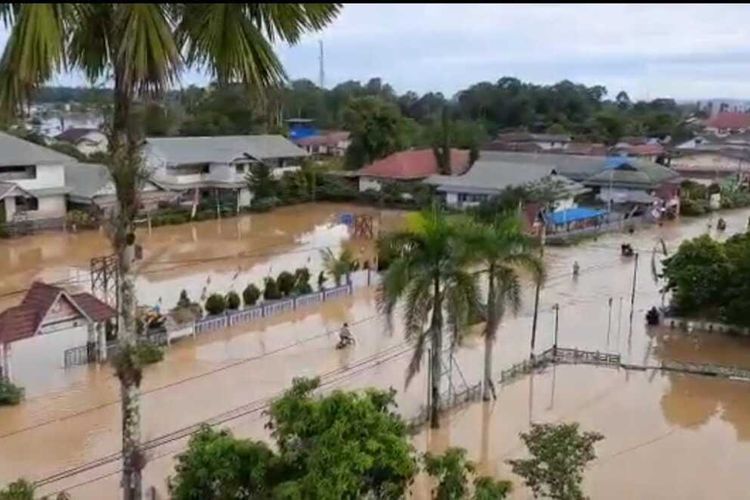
[233,318]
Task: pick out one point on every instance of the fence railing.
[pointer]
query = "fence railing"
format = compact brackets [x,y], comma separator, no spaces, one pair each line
[243,316]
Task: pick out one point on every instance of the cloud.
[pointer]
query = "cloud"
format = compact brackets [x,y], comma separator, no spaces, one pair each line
[681,51]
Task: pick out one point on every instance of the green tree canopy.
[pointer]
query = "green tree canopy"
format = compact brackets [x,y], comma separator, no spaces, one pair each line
[377,130]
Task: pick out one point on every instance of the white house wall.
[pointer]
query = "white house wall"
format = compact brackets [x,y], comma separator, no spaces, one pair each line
[47,176]
[50,207]
[39,360]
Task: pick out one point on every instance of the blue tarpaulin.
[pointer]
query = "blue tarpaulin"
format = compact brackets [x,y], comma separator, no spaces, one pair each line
[574,215]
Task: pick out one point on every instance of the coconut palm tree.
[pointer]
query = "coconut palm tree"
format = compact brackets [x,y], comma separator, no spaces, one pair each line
[339,265]
[141,49]
[430,274]
[502,250]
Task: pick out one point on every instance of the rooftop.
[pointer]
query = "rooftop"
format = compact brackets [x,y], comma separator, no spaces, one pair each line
[223,149]
[74,134]
[415,164]
[17,151]
[24,320]
[729,120]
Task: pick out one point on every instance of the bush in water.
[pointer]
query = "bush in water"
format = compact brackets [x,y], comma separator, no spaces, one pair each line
[10,394]
[215,304]
[233,301]
[149,353]
[271,291]
[250,295]
[285,283]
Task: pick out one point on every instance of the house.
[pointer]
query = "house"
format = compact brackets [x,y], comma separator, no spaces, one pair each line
[49,321]
[491,174]
[630,181]
[408,166]
[618,179]
[38,176]
[586,148]
[706,142]
[708,165]
[86,140]
[332,143]
[726,123]
[524,141]
[647,151]
[217,165]
[91,187]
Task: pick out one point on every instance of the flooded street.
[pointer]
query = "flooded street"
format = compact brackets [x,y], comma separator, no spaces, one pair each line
[654,423]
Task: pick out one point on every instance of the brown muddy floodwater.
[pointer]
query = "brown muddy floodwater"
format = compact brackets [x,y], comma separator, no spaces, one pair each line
[667,436]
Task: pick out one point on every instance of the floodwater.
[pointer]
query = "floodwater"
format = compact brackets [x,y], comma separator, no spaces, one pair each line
[654,424]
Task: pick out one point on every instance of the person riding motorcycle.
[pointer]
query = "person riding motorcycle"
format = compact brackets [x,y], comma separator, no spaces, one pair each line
[345,337]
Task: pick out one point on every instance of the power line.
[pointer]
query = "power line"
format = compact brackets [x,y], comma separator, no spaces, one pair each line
[337,375]
[188,379]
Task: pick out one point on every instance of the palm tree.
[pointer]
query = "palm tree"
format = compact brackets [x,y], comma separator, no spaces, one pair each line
[430,273]
[141,49]
[339,265]
[502,249]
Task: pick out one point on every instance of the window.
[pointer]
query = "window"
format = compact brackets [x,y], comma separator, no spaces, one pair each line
[240,167]
[27,204]
[17,172]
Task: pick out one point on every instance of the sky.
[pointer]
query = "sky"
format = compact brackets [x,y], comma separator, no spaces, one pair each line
[686,52]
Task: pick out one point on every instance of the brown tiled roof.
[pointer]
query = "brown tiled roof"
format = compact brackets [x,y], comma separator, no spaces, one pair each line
[729,121]
[643,149]
[23,321]
[93,307]
[634,140]
[416,164]
[18,323]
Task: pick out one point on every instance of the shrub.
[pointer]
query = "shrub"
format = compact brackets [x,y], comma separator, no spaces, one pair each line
[215,304]
[285,283]
[149,353]
[302,281]
[322,280]
[233,301]
[263,204]
[18,490]
[250,295]
[692,208]
[271,289]
[10,394]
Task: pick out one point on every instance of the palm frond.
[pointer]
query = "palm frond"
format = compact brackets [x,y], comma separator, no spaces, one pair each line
[34,52]
[417,305]
[461,298]
[392,288]
[225,40]
[147,55]
[416,358]
[288,21]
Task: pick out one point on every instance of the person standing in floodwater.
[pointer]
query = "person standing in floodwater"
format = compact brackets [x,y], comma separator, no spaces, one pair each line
[576,269]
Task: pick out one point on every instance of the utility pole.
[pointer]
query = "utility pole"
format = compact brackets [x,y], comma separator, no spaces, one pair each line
[632,293]
[321,69]
[557,324]
[609,319]
[537,293]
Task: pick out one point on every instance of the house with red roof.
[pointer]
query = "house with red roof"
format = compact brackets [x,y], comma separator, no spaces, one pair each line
[35,335]
[728,123]
[409,166]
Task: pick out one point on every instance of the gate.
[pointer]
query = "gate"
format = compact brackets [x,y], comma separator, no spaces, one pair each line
[81,355]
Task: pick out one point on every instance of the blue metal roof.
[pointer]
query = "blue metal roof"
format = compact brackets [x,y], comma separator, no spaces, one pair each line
[574,214]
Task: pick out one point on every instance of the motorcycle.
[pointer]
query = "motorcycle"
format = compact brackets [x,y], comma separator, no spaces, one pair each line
[344,342]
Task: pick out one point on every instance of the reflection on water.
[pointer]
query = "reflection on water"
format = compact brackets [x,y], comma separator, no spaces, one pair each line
[653,422]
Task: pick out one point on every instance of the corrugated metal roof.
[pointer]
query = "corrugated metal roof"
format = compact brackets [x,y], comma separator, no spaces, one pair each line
[15,151]
[223,149]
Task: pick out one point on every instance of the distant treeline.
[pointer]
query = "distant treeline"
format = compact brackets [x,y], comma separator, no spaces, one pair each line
[586,112]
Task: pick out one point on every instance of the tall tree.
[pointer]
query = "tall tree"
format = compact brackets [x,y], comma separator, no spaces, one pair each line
[377,130]
[430,273]
[502,249]
[441,146]
[142,48]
